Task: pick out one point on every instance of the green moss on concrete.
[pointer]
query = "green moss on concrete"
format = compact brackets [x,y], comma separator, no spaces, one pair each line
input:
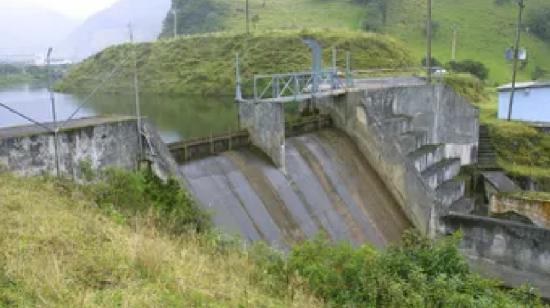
[530,195]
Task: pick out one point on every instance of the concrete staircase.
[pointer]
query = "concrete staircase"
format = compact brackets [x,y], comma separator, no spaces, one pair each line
[438,172]
[487,158]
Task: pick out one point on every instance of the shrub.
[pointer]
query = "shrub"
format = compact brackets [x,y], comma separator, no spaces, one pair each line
[539,73]
[466,85]
[125,195]
[473,67]
[417,273]
[434,62]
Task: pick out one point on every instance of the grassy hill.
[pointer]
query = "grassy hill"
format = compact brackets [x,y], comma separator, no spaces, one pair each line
[195,16]
[205,64]
[177,66]
[485,31]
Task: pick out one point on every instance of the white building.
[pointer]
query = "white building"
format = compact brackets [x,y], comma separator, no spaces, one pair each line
[531,101]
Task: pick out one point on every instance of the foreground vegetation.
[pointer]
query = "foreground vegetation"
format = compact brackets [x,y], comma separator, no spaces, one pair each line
[63,244]
[205,64]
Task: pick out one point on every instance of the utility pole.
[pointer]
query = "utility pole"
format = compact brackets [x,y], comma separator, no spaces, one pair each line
[453,48]
[429,44]
[516,56]
[54,113]
[136,91]
[247,17]
[238,92]
[175,13]
[334,55]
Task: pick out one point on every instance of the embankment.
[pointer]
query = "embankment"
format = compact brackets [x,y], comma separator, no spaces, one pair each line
[205,64]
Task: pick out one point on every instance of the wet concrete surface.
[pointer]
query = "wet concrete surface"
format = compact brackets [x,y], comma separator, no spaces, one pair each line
[328,187]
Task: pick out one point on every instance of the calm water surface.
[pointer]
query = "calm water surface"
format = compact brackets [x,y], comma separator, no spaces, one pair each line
[176,117]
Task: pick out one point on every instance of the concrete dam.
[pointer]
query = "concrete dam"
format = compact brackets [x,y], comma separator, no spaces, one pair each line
[328,187]
[389,161]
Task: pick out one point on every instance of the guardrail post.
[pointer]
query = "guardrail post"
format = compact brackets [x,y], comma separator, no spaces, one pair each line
[255,88]
[211,144]
[230,140]
[349,78]
[275,87]
[296,85]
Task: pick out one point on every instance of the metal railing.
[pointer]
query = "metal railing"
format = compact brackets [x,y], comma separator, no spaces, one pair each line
[296,85]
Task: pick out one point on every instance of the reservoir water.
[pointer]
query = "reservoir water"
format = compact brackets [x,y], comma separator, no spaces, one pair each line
[176,117]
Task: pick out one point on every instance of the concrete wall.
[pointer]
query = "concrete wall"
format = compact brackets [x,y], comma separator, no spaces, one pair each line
[538,211]
[157,152]
[103,142]
[529,104]
[265,123]
[507,244]
[446,116]
[356,116]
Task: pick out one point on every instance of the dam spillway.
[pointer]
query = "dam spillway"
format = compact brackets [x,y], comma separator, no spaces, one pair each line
[328,187]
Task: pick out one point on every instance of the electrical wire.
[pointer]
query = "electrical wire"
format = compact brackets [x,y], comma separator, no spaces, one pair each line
[26,117]
[93,92]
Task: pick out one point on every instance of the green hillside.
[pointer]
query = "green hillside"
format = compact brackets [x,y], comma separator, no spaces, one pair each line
[229,15]
[205,64]
[485,28]
[485,31]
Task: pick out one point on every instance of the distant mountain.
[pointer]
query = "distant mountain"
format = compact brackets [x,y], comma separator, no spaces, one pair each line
[110,27]
[30,30]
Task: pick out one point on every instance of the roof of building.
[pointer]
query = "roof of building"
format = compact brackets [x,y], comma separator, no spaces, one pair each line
[525,85]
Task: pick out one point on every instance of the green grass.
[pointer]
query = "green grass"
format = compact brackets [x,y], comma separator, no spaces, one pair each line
[204,64]
[58,249]
[295,14]
[485,31]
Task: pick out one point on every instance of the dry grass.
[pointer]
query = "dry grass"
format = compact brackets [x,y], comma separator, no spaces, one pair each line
[59,251]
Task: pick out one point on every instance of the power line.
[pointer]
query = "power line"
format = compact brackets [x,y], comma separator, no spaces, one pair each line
[26,117]
[93,92]
[54,113]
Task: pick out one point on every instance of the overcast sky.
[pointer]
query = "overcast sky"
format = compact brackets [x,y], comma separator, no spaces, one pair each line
[78,9]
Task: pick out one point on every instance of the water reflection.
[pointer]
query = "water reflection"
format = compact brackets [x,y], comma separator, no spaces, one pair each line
[176,117]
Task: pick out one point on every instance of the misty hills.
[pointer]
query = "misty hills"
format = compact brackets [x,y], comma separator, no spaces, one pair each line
[110,26]
[30,30]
